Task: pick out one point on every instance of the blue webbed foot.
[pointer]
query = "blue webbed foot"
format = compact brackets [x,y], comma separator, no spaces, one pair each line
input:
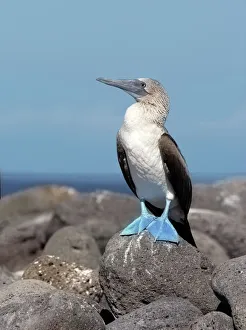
[163,230]
[159,227]
[138,225]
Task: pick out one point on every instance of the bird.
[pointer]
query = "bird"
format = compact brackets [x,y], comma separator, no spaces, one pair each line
[152,163]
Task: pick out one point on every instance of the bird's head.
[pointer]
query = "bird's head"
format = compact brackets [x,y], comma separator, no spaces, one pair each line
[144,90]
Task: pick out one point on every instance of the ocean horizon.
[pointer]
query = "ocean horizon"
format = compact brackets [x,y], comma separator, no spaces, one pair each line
[85,183]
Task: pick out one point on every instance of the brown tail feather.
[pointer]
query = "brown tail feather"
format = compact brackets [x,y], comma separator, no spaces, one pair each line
[184,231]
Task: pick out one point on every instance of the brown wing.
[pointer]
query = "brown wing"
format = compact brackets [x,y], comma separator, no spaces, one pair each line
[124,166]
[178,174]
[179,178]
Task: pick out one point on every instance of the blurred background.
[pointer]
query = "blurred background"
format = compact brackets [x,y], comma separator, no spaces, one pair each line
[58,124]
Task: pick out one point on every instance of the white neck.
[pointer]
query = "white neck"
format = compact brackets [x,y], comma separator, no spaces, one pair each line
[139,115]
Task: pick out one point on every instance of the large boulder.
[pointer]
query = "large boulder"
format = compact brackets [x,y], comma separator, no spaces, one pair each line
[228,196]
[213,321]
[135,271]
[33,202]
[29,218]
[30,304]
[27,221]
[229,282]
[102,213]
[73,244]
[24,287]
[210,247]
[22,243]
[164,313]
[230,234]
[69,277]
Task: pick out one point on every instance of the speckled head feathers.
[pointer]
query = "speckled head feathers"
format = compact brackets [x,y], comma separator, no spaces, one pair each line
[146,91]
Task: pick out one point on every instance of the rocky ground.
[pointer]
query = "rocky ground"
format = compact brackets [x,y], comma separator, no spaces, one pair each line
[63,264]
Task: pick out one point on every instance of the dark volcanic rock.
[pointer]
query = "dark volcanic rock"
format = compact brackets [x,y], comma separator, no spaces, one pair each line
[73,244]
[229,282]
[230,234]
[24,287]
[27,221]
[165,313]
[33,202]
[20,244]
[102,213]
[66,276]
[210,247]
[29,218]
[213,321]
[36,305]
[135,271]
[228,196]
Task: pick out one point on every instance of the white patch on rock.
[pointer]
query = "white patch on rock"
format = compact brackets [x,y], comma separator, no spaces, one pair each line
[112,257]
[139,239]
[148,272]
[71,191]
[201,211]
[232,201]
[43,218]
[169,246]
[19,273]
[141,323]
[100,196]
[83,272]
[127,252]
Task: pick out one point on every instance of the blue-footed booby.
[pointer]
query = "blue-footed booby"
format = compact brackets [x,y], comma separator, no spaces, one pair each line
[152,163]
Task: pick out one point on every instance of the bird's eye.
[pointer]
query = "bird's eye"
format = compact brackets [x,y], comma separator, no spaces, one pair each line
[143,84]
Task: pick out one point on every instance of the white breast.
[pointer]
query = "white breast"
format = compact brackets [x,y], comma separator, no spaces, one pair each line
[140,141]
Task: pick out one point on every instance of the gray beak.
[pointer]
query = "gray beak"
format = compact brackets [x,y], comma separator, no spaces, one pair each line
[134,87]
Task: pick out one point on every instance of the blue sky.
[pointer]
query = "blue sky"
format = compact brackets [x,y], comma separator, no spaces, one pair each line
[55,117]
